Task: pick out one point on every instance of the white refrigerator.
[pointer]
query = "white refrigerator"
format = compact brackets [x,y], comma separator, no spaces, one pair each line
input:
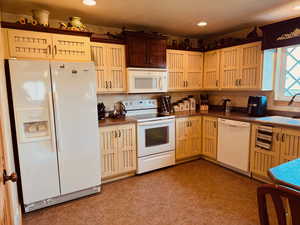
[56,130]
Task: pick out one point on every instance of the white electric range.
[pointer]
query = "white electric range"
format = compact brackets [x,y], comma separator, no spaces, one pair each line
[155,135]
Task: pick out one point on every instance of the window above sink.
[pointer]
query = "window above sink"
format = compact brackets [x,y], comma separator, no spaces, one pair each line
[288,73]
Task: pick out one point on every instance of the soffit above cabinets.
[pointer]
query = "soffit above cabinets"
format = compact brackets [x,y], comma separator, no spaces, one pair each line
[175,17]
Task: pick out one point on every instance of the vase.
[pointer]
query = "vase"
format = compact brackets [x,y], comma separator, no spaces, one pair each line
[41,16]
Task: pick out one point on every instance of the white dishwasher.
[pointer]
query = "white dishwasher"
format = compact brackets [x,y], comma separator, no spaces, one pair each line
[233,144]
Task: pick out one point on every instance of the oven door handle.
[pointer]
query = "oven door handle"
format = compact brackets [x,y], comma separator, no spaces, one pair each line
[160,122]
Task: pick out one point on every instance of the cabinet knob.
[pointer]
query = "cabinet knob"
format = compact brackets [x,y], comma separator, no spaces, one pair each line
[12,177]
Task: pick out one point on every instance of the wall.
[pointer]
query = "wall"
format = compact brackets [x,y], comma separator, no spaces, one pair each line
[110,99]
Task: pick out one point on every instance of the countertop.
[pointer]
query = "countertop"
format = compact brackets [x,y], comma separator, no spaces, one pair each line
[239,116]
[112,122]
[269,120]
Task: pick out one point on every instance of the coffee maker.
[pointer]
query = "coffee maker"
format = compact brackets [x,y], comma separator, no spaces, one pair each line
[164,107]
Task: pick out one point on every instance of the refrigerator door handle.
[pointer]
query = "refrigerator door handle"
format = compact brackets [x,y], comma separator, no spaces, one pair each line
[52,127]
[57,122]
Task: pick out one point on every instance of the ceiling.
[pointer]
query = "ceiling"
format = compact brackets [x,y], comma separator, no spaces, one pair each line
[177,17]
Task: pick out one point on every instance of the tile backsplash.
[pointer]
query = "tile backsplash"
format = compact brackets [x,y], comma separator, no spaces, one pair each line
[239,98]
[110,99]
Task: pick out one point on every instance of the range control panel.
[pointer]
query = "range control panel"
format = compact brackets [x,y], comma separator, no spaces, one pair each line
[140,104]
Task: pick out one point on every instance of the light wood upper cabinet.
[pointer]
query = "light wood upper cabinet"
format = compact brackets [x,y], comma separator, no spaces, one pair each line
[110,65]
[69,47]
[176,69]
[185,69]
[41,45]
[211,75]
[194,70]
[209,137]
[188,137]
[29,44]
[230,67]
[251,59]
[118,150]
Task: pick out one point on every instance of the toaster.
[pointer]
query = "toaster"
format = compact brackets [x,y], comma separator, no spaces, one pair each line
[257,105]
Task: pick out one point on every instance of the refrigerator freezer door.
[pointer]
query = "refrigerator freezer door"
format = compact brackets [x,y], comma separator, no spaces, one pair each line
[75,106]
[32,101]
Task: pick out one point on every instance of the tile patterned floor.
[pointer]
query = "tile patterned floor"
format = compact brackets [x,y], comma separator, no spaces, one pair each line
[194,193]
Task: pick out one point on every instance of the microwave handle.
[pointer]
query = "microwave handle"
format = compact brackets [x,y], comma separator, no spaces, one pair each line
[159,83]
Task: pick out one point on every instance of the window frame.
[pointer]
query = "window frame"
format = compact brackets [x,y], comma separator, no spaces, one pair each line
[280,75]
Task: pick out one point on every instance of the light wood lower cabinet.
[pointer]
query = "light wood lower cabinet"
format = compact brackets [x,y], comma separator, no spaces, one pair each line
[290,145]
[118,150]
[110,66]
[41,45]
[188,137]
[209,137]
[285,147]
[261,159]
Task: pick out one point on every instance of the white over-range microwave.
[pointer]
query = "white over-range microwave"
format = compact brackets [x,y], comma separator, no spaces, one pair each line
[147,80]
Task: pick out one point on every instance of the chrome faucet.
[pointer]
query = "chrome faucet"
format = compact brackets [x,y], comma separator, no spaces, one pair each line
[293,98]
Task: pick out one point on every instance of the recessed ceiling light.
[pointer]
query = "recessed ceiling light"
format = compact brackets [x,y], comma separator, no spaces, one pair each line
[202,24]
[297,7]
[89,2]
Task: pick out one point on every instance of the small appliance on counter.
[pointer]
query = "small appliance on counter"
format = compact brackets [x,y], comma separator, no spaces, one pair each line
[227,105]
[164,108]
[119,111]
[257,105]
[203,103]
[101,111]
[185,104]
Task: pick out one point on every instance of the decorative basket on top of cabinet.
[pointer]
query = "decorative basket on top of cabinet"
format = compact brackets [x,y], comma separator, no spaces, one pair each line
[118,150]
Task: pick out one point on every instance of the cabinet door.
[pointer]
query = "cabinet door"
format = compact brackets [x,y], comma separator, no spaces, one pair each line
[194,70]
[195,131]
[109,151]
[126,148]
[157,53]
[29,44]
[136,52]
[261,160]
[69,47]
[210,137]
[98,54]
[116,67]
[176,69]
[229,68]
[182,138]
[250,66]
[211,76]
[290,145]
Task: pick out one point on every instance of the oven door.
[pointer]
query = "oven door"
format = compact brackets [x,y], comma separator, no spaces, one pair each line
[156,137]
[145,82]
